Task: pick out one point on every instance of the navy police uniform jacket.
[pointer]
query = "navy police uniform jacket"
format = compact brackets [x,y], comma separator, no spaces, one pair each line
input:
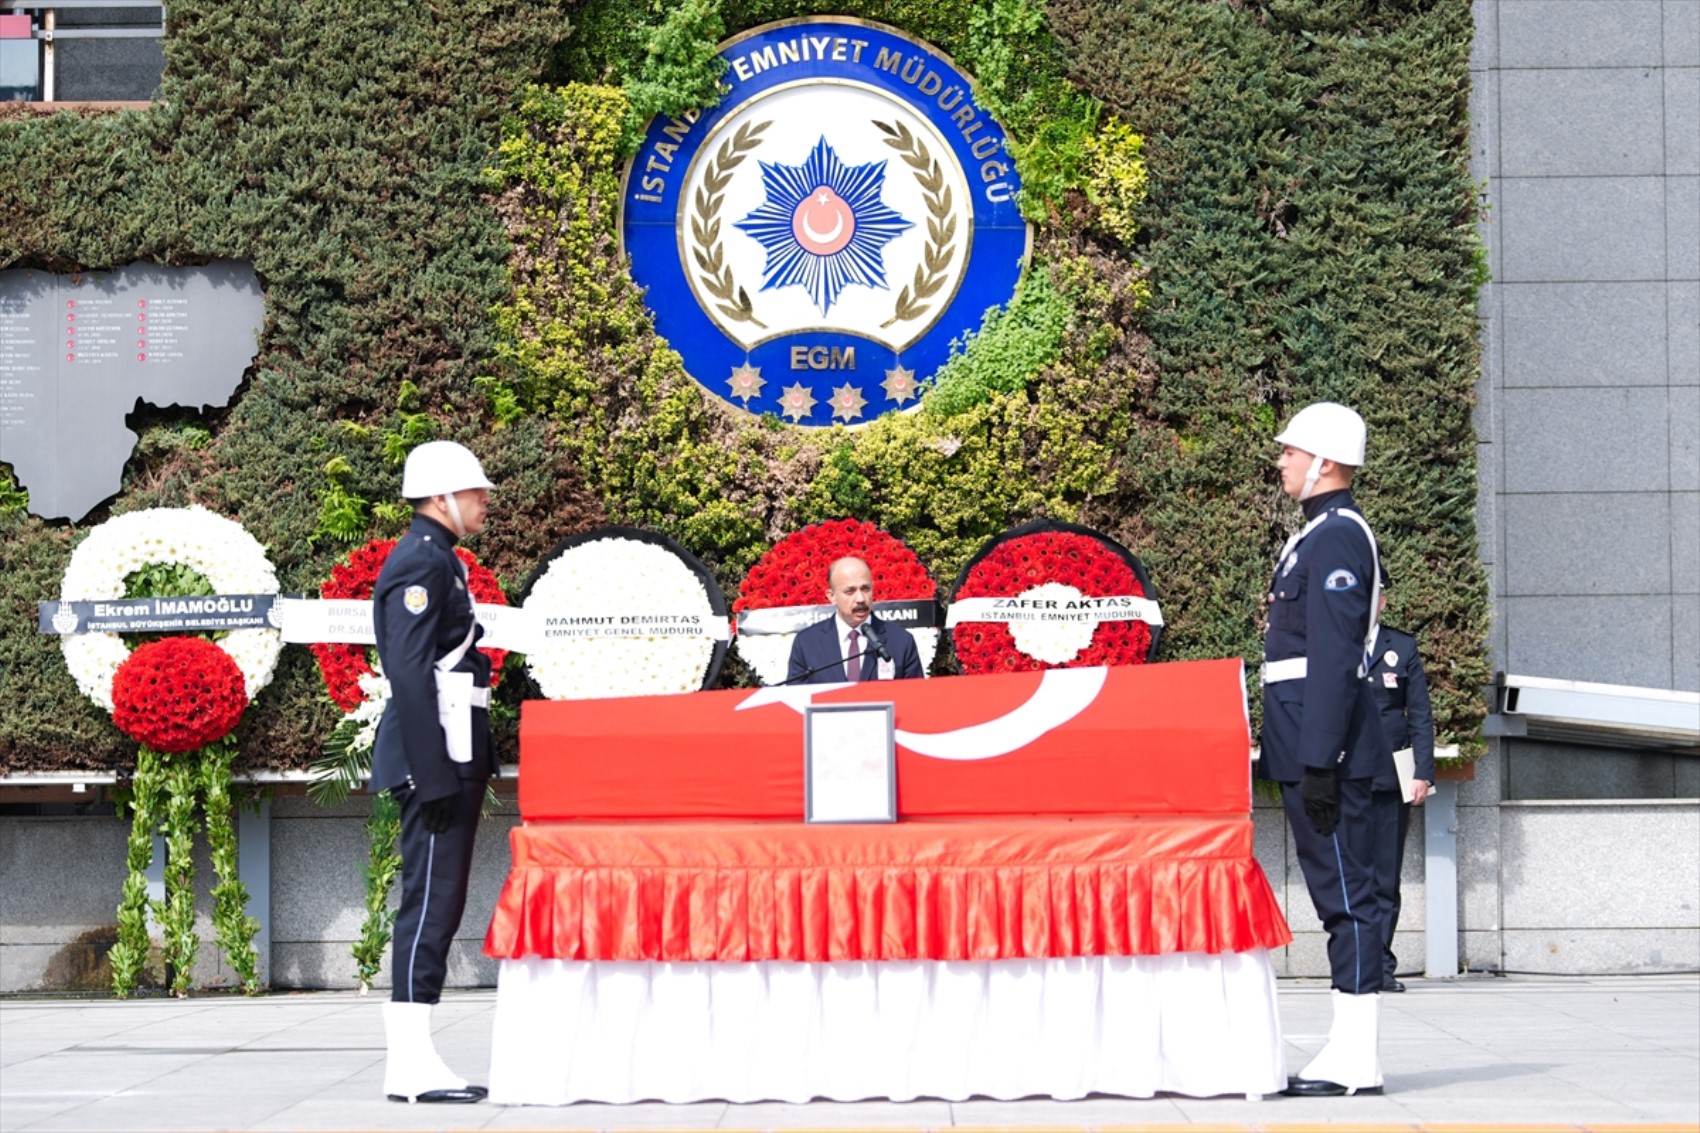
[1320,606]
[421,610]
[1401,691]
[817,647]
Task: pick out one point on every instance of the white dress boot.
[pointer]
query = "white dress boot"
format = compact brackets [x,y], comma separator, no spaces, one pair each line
[412,1070]
[1350,1062]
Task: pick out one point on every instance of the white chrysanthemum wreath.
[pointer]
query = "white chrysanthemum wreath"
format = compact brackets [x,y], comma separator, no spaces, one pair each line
[619,616]
[232,560]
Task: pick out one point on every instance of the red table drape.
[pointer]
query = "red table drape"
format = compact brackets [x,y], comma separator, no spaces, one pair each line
[927,889]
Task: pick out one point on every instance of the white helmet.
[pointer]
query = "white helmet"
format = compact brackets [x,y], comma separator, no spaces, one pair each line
[441,468]
[1328,430]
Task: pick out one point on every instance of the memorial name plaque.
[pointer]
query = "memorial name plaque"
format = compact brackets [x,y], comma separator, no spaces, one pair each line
[78,353]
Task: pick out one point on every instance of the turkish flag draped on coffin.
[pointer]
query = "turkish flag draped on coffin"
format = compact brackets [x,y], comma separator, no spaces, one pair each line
[1167,738]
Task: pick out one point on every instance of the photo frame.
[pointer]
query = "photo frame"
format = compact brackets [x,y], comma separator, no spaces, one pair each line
[849,763]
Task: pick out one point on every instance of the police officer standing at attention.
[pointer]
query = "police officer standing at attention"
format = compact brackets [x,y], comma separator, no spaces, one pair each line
[432,751]
[1407,720]
[1322,738]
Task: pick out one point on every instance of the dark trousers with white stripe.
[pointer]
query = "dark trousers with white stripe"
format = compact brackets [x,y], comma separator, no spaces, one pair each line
[1339,871]
[435,869]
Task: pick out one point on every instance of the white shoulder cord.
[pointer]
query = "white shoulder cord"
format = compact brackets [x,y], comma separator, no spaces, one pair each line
[1375,573]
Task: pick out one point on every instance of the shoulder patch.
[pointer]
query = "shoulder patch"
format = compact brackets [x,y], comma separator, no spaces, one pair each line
[415,599]
[1341,580]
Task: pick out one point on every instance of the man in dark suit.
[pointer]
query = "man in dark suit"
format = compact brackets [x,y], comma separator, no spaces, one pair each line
[852,645]
[432,752]
[1407,719]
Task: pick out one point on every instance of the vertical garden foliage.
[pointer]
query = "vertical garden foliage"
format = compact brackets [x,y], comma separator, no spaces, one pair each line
[1310,235]
[1240,206]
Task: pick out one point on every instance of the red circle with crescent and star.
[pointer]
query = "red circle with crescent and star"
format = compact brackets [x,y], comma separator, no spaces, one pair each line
[823,223]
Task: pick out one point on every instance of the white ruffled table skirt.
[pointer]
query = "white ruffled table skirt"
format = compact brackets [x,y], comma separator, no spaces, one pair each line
[610,1031]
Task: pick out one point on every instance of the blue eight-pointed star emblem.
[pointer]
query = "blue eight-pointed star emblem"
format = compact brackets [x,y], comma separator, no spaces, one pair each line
[823,225]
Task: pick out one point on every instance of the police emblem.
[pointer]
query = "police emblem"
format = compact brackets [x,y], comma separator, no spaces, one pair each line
[415,599]
[1390,658]
[812,245]
[1340,580]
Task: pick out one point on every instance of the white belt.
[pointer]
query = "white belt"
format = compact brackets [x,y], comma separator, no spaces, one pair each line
[1292,669]
[480,698]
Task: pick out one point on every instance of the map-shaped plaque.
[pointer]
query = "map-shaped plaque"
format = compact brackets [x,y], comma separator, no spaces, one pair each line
[78,353]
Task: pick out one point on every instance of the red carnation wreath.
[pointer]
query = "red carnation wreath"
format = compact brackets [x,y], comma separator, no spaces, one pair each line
[792,574]
[1049,558]
[342,664]
[177,694]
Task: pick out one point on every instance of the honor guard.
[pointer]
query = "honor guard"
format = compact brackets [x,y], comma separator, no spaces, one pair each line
[1407,720]
[1322,738]
[432,751]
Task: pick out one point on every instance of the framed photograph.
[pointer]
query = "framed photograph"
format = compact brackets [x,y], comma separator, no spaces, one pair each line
[850,763]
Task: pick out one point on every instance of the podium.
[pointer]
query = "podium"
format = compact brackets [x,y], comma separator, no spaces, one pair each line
[1068,903]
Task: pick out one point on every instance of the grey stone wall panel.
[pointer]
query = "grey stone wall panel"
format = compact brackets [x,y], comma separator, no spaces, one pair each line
[1684,439]
[1571,544]
[1613,639]
[1585,440]
[1478,869]
[1600,951]
[1580,33]
[1538,770]
[1558,229]
[1582,123]
[1683,299]
[1682,227]
[1484,45]
[1638,867]
[1584,334]
[1685,543]
[1682,33]
[1682,120]
[1685,642]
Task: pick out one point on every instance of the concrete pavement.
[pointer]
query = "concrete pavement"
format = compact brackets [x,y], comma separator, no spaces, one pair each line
[1577,1053]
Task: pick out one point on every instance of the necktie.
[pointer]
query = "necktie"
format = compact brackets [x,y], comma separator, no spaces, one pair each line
[853,664]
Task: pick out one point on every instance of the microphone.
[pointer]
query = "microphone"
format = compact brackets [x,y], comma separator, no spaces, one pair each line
[876,641]
[834,663]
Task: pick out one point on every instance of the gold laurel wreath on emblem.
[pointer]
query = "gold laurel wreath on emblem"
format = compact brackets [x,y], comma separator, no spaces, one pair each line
[716,277]
[941,225]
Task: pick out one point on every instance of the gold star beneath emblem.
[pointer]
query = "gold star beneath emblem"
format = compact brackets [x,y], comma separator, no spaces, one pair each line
[847,402]
[797,402]
[899,384]
[746,382]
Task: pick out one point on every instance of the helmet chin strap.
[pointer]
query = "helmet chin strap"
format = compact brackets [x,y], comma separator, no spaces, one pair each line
[453,507]
[1311,478]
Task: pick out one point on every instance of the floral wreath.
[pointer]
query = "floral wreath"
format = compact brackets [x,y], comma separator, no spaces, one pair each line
[1062,562]
[351,680]
[620,611]
[218,548]
[792,575]
[175,695]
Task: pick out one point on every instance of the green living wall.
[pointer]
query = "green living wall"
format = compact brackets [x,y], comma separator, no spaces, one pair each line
[1239,206]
